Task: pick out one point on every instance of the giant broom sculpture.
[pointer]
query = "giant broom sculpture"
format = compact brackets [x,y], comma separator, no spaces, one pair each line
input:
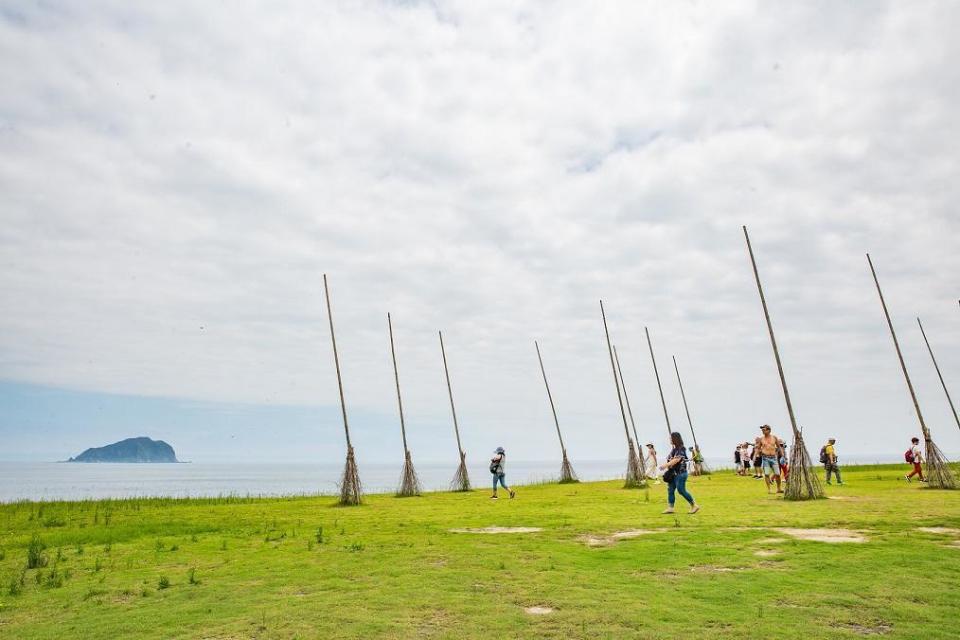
[802,483]
[409,483]
[938,469]
[350,490]
[635,478]
[567,475]
[461,479]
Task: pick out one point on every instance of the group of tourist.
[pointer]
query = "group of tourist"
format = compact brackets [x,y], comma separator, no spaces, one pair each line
[766,456]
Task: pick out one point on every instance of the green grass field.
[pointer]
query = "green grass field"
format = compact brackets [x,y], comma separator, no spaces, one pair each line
[303,568]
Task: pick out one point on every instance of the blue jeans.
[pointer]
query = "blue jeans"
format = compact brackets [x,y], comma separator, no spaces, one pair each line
[499,477]
[678,485]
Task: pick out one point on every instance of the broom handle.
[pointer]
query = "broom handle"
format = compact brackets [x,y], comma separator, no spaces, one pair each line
[937,367]
[556,422]
[453,409]
[773,339]
[616,381]
[626,396]
[896,344]
[336,362]
[396,378]
[659,386]
[685,407]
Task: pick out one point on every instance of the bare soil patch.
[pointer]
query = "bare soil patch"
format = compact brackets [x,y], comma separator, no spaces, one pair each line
[606,541]
[873,629]
[538,611]
[499,530]
[767,553]
[825,535]
[947,531]
[771,541]
[709,568]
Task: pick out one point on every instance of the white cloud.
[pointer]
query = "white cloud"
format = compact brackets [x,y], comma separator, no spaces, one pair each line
[175,179]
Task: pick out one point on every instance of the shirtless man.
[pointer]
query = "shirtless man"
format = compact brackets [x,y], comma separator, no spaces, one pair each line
[770,453]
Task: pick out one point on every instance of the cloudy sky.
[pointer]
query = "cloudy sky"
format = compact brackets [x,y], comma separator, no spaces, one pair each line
[175,178]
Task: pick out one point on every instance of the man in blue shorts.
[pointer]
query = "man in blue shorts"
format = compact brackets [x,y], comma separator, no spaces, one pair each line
[770,454]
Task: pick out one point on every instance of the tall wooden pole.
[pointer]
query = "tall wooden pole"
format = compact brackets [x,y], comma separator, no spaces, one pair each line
[626,396]
[937,367]
[939,475]
[396,379]
[802,483]
[553,408]
[567,474]
[350,489]
[461,480]
[656,372]
[773,339]
[896,345]
[635,476]
[409,482]
[336,362]
[613,366]
[685,407]
[453,409]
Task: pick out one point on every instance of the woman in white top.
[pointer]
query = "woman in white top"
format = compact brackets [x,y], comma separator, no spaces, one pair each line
[650,463]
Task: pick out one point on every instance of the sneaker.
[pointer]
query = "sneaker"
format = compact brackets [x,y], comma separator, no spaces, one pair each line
[512,494]
[668,510]
[694,509]
[907,478]
[494,497]
[779,490]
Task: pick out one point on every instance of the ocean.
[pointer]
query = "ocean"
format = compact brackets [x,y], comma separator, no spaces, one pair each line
[84,481]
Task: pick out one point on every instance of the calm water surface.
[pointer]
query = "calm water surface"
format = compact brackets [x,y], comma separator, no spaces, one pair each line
[53,480]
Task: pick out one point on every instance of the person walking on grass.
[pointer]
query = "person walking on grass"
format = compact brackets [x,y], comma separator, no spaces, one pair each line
[784,461]
[498,467]
[650,463]
[697,458]
[768,446]
[914,456]
[737,465]
[757,459]
[745,458]
[675,474]
[828,456]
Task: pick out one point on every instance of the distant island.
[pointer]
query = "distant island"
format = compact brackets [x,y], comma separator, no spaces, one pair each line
[130,450]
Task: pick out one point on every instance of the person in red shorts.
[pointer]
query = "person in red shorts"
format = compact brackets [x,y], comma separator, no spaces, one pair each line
[784,461]
[915,457]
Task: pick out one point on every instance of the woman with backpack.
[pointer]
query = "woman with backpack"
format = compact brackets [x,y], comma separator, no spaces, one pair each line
[498,467]
[675,474]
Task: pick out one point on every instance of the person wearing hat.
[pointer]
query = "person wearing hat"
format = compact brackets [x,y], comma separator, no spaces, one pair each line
[498,467]
[768,446]
[830,460]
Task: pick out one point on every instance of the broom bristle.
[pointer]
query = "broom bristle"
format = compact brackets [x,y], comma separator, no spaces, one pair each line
[636,478]
[802,483]
[409,482]
[461,480]
[567,475]
[938,471]
[350,489]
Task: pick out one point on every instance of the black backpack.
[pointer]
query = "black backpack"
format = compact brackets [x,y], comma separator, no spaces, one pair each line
[823,455]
